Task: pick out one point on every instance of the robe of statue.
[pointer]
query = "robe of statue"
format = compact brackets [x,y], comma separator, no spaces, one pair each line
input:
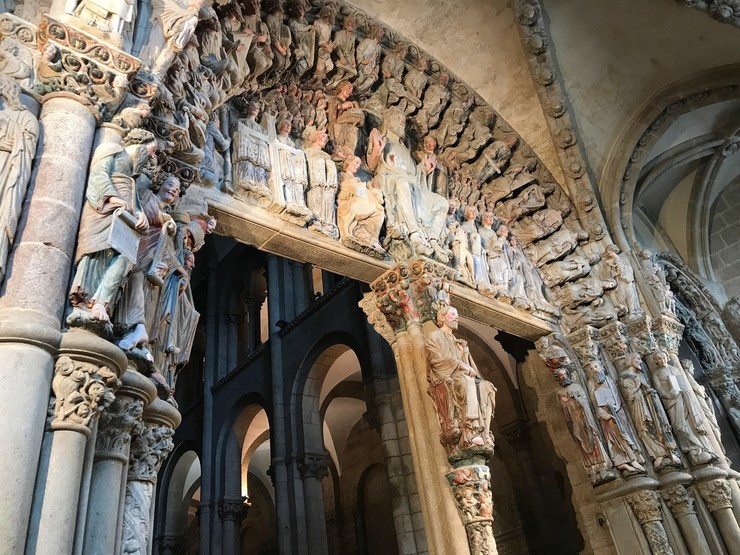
[19,131]
[101,269]
[323,185]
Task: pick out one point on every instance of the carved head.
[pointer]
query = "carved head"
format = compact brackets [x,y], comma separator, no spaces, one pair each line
[169,191]
[634,360]
[447,317]
[430,143]
[487,219]
[352,164]
[284,127]
[688,366]
[377,32]
[350,24]
[661,359]
[327,13]
[394,121]
[344,89]
[471,212]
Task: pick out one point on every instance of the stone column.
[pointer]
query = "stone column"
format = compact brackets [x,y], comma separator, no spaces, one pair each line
[401,302]
[112,449]
[232,512]
[35,293]
[646,506]
[151,443]
[85,378]
[313,467]
[33,302]
[718,497]
[383,404]
[681,504]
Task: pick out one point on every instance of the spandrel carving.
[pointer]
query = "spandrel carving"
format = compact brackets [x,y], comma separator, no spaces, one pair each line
[304,38]
[323,25]
[19,132]
[569,269]
[344,51]
[539,225]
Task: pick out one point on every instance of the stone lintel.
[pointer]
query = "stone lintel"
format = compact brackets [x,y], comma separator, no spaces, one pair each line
[270,233]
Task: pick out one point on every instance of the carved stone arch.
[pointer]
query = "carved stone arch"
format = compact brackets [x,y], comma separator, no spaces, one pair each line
[228,455]
[305,394]
[476,139]
[623,170]
[171,512]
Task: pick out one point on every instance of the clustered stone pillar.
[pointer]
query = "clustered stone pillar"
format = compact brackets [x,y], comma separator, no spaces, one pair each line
[404,299]
[112,450]
[646,506]
[151,443]
[718,497]
[680,502]
[85,379]
[232,512]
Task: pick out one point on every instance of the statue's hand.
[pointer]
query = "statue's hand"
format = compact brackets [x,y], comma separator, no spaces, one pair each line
[142,224]
[119,202]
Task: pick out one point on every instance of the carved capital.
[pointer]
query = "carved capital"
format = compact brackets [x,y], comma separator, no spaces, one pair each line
[408,292]
[641,338]
[114,430]
[646,506]
[716,494]
[679,501]
[615,340]
[233,509]
[150,446]
[667,332]
[585,342]
[724,11]
[76,62]
[313,465]
[81,390]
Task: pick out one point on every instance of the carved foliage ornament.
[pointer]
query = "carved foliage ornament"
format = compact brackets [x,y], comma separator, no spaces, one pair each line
[679,500]
[150,446]
[716,494]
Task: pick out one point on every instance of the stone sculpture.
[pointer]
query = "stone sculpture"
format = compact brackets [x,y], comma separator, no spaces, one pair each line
[625,295]
[251,157]
[304,38]
[178,20]
[344,51]
[19,131]
[493,160]
[110,226]
[577,411]
[134,315]
[368,57]
[683,410]
[345,118]
[655,278]
[360,212]
[414,210]
[259,56]
[463,400]
[615,425]
[705,402]
[280,37]
[559,244]
[323,27]
[647,413]
[322,182]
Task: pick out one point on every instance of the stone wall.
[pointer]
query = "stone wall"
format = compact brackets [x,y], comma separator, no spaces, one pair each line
[724,240]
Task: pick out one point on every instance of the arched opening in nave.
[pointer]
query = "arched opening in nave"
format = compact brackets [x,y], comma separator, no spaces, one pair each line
[177,524]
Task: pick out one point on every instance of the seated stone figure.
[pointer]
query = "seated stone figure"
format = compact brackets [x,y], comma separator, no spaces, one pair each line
[411,207]
[360,212]
[107,248]
[463,400]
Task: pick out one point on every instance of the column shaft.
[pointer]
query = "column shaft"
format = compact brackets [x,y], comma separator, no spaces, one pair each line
[33,303]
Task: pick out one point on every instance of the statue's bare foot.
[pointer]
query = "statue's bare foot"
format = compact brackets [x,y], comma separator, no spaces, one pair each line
[135,337]
[99,313]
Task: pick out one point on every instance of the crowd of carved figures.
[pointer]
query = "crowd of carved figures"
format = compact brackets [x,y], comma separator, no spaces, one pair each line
[320,116]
